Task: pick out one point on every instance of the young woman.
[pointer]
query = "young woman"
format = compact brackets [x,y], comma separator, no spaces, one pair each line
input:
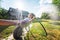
[5,22]
[19,31]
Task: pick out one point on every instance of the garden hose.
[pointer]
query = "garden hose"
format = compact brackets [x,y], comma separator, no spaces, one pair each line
[42,27]
[39,21]
[18,31]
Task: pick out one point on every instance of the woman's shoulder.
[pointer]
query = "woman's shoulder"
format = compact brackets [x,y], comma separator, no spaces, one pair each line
[27,19]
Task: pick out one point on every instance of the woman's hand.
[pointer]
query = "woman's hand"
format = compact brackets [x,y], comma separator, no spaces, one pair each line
[34,17]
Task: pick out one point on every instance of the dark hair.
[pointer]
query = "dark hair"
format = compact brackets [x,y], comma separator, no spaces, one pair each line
[32,14]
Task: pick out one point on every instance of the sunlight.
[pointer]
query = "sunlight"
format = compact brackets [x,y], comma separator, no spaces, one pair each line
[19,5]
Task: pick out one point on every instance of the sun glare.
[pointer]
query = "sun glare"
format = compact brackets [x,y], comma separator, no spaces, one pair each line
[19,5]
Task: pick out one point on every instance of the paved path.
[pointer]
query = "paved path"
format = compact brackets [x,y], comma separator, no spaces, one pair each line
[9,38]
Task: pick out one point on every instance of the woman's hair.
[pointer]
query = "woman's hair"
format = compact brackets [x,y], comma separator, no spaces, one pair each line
[32,14]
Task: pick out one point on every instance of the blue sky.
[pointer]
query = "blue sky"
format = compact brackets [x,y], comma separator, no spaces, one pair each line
[32,6]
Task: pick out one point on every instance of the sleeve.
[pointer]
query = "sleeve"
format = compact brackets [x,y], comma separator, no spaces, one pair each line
[26,20]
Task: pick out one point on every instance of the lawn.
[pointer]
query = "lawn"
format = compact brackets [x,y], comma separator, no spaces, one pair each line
[53,31]
[5,31]
[37,32]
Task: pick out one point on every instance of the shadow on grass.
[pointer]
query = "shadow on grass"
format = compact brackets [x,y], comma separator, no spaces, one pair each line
[3,28]
[5,31]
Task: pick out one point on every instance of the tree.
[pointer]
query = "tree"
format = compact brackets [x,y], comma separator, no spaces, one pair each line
[45,16]
[3,14]
[57,3]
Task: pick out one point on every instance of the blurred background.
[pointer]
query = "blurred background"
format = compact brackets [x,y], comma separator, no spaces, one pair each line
[47,11]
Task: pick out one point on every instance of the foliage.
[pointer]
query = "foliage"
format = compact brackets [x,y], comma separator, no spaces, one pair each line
[3,14]
[45,16]
[57,3]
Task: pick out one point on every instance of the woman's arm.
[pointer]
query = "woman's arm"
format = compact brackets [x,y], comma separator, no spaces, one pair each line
[14,21]
[8,22]
[32,19]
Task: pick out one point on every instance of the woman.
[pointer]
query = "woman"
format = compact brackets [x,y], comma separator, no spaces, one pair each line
[21,25]
[5,22]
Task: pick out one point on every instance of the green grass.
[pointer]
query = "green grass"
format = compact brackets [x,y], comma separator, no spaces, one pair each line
[36,32]
[39,34]
[5,31]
